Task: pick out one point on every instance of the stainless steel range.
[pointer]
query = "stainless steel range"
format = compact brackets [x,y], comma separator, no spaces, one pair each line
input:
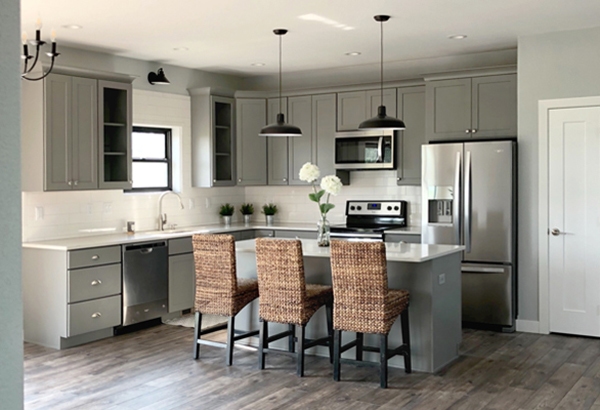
[367,220]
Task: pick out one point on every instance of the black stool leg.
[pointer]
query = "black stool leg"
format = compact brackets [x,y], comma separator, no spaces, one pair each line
[383,370]
[359,346]
[230,341]
[337,344]
[197,328]
[291,341]
[262,344]
[406,340]
[329,314]
[300,330]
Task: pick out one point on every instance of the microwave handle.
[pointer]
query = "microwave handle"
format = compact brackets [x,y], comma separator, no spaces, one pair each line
[380,150]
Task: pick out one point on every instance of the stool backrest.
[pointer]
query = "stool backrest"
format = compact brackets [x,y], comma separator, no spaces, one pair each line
[359,273]
[214,261]
[281,282]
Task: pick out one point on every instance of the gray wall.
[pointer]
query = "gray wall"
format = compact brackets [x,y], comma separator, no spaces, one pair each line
[11,301]
[555,65]
[181,78]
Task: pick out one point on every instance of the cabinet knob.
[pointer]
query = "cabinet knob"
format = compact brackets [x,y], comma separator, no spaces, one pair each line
[75,182]
[69,183]
[473,131]
[96,315]
[214,180]
[96,282]
[284,179]
[398,179]
[130,182]
[467,131]
[95,257]
[239,179]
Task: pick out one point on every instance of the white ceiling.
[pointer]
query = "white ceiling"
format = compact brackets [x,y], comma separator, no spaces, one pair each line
[227,36]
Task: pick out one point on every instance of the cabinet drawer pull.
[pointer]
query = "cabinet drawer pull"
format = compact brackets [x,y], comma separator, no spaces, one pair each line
[467,131]
[69,183]
[473,131]
[96,315]
[95,257]
[96,282]
[75,182]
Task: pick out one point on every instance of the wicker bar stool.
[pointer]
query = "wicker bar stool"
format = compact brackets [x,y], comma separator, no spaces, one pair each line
[286,298]
[218,290]
[364,304]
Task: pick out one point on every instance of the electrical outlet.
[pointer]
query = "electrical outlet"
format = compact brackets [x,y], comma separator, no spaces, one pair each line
[107,207]
[191,203]
[39,213]
[442,278]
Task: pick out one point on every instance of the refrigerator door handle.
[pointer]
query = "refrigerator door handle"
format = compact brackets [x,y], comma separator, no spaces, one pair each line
[482,270]
[457,197]
[468,205]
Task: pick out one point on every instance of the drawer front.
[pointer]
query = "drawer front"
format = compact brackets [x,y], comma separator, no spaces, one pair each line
[263,233]
[180,245]
[402,238]
[94,283]
[84,317]
[94,257]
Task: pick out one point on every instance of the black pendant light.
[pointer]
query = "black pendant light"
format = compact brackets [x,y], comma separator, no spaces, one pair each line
[158,78]
[280,128]
[382,120]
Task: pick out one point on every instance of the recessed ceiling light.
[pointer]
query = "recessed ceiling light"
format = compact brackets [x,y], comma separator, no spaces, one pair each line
[353,53]
[72,26]
[181,49]
[257,64]
[457,37]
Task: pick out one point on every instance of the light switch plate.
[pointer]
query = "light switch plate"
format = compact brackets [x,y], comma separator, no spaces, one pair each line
[442,278]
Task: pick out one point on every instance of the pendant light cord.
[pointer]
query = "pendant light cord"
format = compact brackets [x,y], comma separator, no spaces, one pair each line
[381,25]
[280,110]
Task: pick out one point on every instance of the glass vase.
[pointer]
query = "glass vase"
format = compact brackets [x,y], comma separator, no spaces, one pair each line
[323,231]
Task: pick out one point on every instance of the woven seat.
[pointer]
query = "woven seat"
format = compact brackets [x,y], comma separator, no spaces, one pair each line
[218,290]
[286,298]
[364,304]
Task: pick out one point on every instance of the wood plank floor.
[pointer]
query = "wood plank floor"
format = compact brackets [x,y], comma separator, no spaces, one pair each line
[153,369]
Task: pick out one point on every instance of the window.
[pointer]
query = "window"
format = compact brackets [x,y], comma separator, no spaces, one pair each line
[151,155]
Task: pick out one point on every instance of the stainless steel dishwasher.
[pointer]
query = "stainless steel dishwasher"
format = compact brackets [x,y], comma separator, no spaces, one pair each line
[145,281]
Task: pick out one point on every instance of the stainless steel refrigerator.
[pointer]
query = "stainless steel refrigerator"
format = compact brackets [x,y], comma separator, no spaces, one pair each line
[469,197]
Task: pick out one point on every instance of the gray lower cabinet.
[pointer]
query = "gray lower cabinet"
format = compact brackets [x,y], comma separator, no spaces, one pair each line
[181,274]
[251,116]
[479,107]
[411,109]
[71,297]
[353,107]
[296,234]
[396,238]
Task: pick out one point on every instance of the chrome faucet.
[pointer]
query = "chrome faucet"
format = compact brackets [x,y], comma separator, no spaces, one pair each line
[162,218]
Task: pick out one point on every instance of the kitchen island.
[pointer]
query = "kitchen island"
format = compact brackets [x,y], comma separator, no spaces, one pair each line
[431,273]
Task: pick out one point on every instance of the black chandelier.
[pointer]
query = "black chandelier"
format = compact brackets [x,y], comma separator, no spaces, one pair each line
[38,43]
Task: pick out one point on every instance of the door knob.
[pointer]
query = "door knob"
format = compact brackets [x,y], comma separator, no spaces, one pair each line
[555,232]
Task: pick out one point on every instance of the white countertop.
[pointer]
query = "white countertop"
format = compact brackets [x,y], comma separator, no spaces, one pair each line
[83,242]
[395,252]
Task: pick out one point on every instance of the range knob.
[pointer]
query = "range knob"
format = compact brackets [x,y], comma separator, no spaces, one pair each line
[359,207]
[389,208]
[396,208]
[352,208]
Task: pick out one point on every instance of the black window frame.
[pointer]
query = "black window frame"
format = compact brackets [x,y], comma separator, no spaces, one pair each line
[168,132]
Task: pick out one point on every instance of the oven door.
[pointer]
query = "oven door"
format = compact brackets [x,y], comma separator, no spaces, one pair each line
[364,150]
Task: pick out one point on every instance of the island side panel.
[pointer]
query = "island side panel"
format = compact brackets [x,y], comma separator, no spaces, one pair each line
[447,310]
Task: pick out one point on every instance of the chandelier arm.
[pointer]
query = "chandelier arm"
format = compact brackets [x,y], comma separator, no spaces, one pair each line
[35,60]
[43,76]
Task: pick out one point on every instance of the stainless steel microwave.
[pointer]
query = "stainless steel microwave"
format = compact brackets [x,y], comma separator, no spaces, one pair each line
[365,150]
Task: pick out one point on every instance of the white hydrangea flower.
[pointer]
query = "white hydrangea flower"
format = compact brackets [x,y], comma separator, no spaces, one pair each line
[331,184]
[309,173]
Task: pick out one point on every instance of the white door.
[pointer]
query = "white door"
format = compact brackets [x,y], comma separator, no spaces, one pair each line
[574,220]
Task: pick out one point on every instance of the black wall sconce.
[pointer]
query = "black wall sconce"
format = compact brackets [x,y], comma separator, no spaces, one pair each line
[158,78]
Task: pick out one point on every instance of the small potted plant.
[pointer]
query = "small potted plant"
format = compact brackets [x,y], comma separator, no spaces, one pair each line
[247,210]
[269,210]
[226,211]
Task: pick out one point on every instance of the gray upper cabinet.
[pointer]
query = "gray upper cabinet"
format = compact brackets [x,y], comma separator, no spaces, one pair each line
[353,107]
[277,147]
[71,133]
[251,116]
[213,139]
[411,109]
[115,127]
[323,123]
[300,148]
[481,107]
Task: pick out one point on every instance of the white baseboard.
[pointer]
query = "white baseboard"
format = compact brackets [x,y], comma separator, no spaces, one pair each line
[528,326]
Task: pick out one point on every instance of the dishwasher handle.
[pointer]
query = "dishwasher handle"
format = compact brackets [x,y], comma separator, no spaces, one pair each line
[145,247]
